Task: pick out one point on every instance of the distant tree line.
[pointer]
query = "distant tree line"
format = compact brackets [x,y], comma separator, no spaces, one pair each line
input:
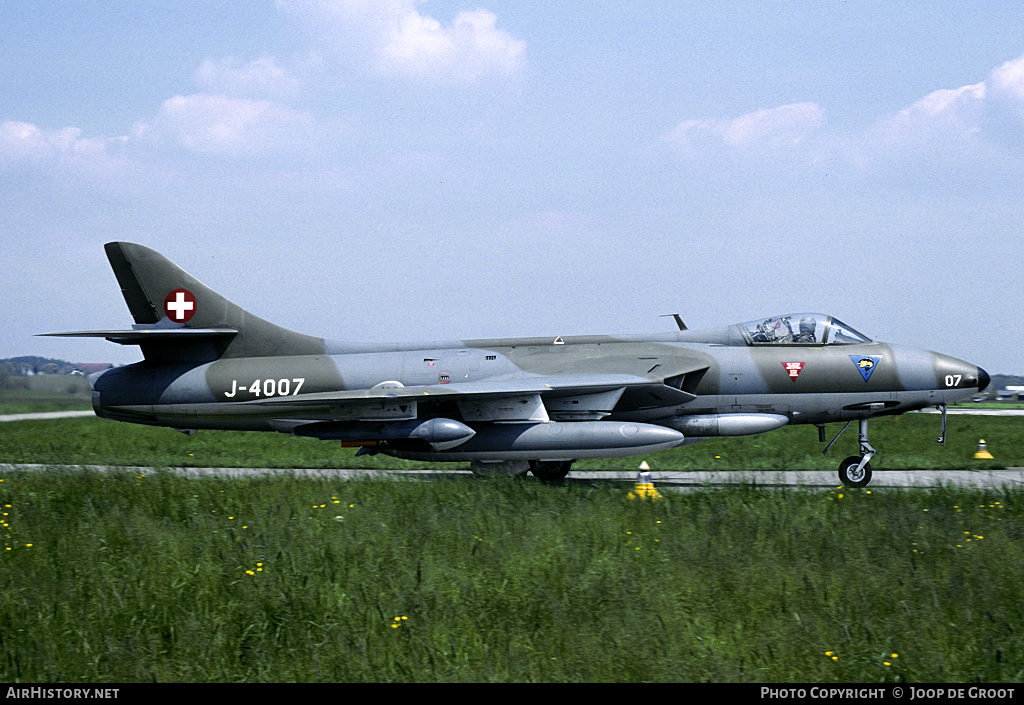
[35,365]
[14,371]
[1007,380]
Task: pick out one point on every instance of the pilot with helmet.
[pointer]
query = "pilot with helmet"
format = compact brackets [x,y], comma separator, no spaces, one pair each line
[807,327]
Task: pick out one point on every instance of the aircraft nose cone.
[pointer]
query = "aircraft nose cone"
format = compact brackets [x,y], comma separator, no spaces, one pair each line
[983,379]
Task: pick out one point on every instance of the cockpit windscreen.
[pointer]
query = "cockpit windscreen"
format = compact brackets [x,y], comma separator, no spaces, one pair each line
[802,329]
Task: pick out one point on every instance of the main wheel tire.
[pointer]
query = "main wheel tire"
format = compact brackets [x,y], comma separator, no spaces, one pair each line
[550,471]
[850,476]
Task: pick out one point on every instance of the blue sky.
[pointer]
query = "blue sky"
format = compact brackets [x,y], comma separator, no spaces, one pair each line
[400,170]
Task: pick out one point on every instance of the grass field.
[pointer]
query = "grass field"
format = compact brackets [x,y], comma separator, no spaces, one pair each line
[122,577]
[127,576]
[47,393]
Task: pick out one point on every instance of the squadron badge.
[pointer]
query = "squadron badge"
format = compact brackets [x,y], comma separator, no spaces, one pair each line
[866,364]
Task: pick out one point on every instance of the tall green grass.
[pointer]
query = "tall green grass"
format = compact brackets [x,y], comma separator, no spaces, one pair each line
[115,576]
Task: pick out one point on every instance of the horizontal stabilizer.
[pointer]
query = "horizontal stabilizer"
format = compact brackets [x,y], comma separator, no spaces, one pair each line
[141,336]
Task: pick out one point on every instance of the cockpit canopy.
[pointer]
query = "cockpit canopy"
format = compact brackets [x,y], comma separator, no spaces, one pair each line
[801,329]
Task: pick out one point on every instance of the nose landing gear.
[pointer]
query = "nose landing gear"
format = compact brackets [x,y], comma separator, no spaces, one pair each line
[855,471]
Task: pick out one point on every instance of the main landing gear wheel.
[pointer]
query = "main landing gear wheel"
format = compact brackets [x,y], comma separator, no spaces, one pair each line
[550,470]
[850,476]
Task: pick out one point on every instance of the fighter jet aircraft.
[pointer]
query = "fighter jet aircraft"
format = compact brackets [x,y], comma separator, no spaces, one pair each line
[505,405]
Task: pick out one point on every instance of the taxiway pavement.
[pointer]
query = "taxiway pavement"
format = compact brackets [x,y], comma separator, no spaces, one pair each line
[681,480]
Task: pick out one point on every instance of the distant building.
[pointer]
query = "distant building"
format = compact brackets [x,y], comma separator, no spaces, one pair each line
[87,368]
[1010,393]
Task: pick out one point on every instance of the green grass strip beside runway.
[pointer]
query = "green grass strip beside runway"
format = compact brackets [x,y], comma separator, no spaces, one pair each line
[122,577]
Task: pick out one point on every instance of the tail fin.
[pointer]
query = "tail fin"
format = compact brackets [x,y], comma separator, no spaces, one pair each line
[188,320]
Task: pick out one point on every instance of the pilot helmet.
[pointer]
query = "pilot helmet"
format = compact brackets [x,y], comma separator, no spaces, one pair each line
[807,326]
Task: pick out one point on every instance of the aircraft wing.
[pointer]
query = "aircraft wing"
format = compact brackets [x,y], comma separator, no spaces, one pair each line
[556,386]
[566,397]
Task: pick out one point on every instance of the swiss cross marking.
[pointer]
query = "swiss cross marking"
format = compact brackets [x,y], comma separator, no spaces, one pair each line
[793,369]
[180,305]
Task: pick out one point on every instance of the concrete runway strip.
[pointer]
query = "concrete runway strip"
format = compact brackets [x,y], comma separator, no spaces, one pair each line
[678,480]
[44,415]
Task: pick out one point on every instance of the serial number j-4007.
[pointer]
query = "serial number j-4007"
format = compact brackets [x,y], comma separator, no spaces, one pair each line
[268,387]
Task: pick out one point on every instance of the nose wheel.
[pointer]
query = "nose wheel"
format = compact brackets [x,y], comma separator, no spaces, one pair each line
[855,471]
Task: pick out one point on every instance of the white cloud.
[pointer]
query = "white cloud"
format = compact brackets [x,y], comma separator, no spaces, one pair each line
[1007,85]
[981,120]
[232,127]
[262,78]
[63,151]
[391,38]
[771,130]
[943,115]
